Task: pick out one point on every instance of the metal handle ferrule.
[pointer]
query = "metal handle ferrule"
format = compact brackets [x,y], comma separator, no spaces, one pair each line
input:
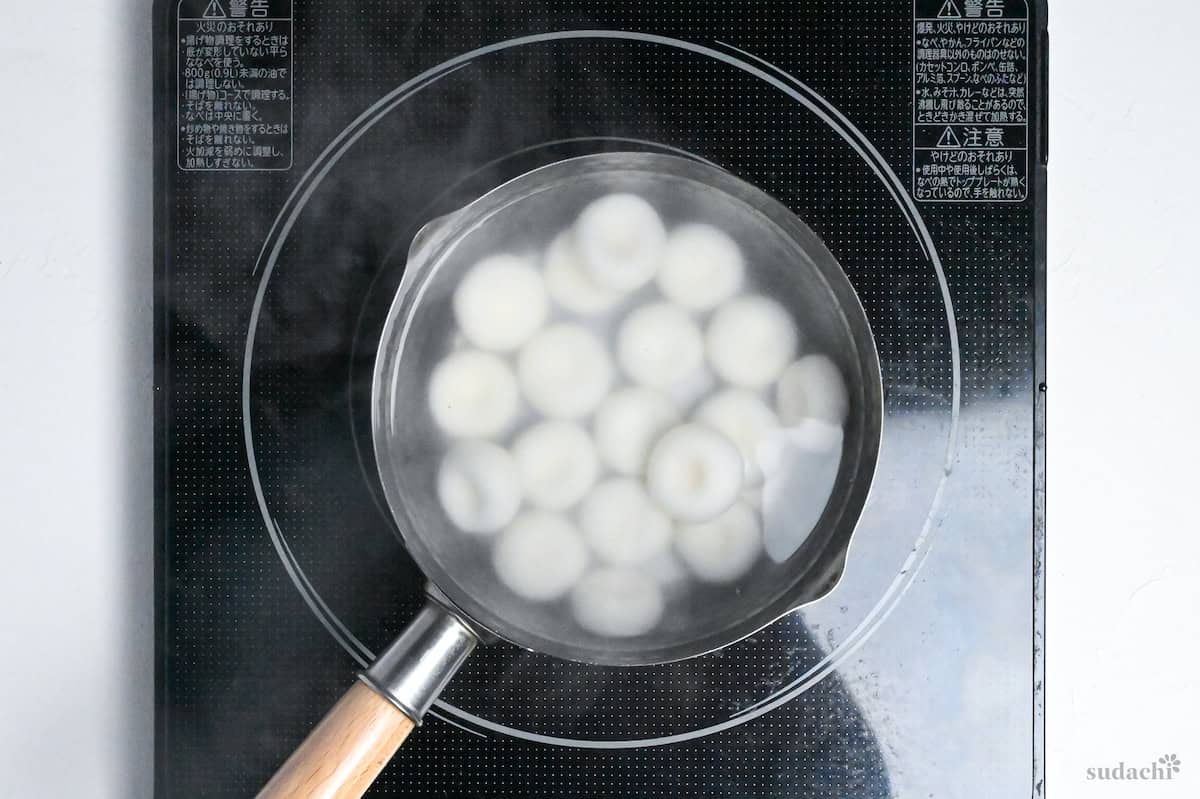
[415,668]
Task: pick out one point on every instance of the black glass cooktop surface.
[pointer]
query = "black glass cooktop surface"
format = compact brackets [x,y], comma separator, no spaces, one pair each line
[301,146]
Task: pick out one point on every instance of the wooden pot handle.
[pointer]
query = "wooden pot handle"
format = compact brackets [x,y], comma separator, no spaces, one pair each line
[343,754]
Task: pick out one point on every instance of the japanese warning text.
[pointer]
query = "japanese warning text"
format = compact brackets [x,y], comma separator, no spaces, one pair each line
[970,100]
[235,84]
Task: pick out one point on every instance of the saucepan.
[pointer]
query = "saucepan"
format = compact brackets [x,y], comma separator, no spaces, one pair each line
[626,410]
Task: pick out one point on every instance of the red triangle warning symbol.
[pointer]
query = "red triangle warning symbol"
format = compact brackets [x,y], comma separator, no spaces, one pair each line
[214,11]
[949,11]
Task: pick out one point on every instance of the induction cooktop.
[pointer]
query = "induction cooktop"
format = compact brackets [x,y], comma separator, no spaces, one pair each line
[301,145]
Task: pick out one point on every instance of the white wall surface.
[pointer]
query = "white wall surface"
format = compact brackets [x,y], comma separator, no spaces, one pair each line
[1124,429]
[76,674]
[75,397]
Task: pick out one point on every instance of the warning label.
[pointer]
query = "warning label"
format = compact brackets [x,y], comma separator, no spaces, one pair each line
[970,100]
[235,84]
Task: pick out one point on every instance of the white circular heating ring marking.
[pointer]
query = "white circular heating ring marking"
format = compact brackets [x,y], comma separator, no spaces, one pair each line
[778,79]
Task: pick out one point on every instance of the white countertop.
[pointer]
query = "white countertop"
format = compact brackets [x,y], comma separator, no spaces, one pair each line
[75,390]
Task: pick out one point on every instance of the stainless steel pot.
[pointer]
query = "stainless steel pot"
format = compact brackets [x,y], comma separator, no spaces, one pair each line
[466,604]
